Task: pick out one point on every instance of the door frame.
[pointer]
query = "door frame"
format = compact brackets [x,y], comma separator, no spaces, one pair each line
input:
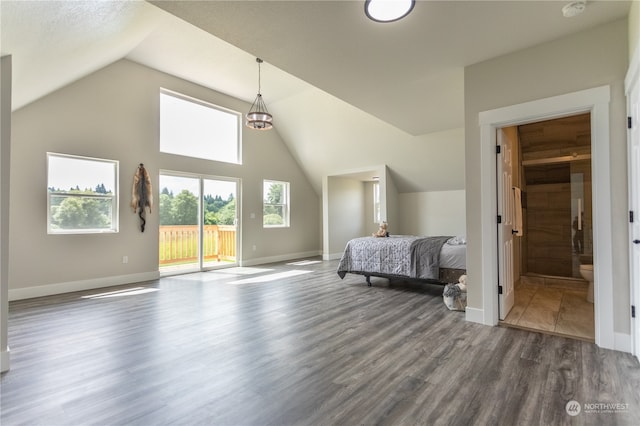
[596,101]
[201,178]
[631,85]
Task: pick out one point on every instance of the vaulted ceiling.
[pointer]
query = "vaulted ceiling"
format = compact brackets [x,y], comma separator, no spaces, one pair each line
[346,92]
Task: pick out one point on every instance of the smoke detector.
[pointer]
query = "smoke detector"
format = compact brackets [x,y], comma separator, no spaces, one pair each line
[574,8]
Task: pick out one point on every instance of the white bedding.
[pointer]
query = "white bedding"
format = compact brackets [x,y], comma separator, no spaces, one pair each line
[453,256]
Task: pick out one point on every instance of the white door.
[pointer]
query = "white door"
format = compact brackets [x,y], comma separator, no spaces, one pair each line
[506,214]
[634,206]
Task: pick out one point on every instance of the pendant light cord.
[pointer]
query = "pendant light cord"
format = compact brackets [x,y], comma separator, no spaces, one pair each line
[259,61]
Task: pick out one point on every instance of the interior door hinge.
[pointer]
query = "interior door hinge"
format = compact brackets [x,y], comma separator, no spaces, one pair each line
[633,311]
[499,289]
[629,122]
[498,149]
[631,216]
[499,219]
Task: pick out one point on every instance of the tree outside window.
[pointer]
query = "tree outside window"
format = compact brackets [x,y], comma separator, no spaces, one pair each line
[81,194]
[275,204]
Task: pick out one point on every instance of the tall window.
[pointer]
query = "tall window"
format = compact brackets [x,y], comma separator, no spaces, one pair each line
[82,195]
[198,129]
[376,202]
[275,210]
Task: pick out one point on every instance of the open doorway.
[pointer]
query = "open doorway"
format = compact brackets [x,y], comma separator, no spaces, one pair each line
[596,101]
[198,223]
[551,245]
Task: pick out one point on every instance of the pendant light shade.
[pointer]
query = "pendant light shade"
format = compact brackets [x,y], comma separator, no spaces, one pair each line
[258,117]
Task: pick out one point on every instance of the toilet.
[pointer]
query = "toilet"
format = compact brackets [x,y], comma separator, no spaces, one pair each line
[586,271]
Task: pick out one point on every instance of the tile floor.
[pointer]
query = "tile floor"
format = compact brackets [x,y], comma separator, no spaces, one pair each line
[555,307]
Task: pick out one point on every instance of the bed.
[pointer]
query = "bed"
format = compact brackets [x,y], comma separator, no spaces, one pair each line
[440,259]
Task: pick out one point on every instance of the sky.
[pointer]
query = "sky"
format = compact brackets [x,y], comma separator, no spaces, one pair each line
[68,172]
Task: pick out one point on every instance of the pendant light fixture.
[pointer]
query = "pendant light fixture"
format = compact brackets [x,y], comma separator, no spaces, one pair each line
[258,117]
[388,10]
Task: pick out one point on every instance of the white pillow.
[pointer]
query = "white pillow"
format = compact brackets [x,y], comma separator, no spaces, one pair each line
[457,241]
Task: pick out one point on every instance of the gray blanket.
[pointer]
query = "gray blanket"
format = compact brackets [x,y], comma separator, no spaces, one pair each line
[425,257]
[398,255]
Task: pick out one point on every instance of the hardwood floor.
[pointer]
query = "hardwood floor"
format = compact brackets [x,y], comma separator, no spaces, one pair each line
[295,345]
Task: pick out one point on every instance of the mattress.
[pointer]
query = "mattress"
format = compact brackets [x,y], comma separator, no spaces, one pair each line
[453,256]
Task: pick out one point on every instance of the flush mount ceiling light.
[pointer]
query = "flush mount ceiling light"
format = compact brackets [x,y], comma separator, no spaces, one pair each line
[574,8]
[388,10]
[258,117]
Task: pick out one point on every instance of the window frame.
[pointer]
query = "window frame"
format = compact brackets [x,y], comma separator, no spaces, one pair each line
[377,215]
[114,197]
[180,96]
[286,205]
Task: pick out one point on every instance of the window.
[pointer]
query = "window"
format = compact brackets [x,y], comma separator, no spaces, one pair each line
[275,210]
[197,129]
[376,202]
[82,195]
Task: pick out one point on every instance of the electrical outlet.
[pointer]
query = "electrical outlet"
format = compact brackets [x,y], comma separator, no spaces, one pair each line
[125,259]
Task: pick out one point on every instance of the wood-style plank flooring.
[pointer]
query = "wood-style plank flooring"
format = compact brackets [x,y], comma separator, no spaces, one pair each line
[294,345]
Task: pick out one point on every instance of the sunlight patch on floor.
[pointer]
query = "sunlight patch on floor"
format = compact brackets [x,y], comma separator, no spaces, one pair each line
[121,293]
[304,262]
[270,277]
[241,270]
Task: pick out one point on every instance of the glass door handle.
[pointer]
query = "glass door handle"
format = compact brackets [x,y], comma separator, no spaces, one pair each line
[636,241]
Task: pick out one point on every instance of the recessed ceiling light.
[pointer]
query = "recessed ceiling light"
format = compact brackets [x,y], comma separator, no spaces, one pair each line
[388,10]
[574,8]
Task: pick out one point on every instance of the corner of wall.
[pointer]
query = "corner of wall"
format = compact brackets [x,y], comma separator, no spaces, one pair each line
[634,27]
[5,169]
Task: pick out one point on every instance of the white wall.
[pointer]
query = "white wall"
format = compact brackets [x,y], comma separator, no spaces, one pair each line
[389,200]
[346,213]
[432,213]
[5,169]
[585,60]
[634,27]
[113,114]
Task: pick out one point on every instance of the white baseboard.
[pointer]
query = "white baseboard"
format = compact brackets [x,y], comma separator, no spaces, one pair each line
[332,256]
[280,258]
[5,360]
[622,342]
[474,315]
[69,287]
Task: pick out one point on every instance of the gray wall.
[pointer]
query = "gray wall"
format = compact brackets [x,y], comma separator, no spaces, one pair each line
[432,213]
[589,59]
[5,168]
[113,114]
[346,213]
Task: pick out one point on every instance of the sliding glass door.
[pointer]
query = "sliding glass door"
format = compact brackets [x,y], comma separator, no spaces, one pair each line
[198,223]
[219,223]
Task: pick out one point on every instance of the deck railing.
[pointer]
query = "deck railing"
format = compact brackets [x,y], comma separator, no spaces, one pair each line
[179,244]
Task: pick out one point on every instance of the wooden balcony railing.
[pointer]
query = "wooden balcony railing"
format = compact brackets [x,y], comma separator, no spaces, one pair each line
[179,244]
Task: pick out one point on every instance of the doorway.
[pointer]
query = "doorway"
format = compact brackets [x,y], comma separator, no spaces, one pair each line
[199,227]
[551,251]
[596,101]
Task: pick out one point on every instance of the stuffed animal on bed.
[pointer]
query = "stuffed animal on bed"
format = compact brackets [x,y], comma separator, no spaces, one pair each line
[382,231]
[455,295]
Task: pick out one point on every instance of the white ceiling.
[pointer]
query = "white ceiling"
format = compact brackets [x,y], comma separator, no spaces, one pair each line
[367,83]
